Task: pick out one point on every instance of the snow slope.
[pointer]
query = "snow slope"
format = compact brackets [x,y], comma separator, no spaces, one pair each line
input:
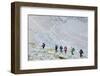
[61,30]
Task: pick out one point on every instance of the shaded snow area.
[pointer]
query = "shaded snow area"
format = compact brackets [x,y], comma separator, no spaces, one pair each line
[68,31]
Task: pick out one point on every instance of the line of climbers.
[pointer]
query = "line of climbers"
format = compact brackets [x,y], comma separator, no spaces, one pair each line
[61,49]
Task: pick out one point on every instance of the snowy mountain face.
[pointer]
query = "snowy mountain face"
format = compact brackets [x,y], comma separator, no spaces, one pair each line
[67,31]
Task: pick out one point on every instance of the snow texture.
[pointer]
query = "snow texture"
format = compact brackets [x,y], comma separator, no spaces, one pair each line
[67,31]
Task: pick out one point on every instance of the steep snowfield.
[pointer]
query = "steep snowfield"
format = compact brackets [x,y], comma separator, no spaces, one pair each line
[52,30]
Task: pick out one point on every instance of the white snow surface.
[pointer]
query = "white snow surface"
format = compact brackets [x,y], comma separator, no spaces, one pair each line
[67,31]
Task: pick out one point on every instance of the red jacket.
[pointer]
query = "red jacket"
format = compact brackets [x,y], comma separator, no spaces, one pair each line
[65,48]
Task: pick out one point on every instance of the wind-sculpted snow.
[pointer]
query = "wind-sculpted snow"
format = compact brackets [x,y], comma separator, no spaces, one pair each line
[57,30]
